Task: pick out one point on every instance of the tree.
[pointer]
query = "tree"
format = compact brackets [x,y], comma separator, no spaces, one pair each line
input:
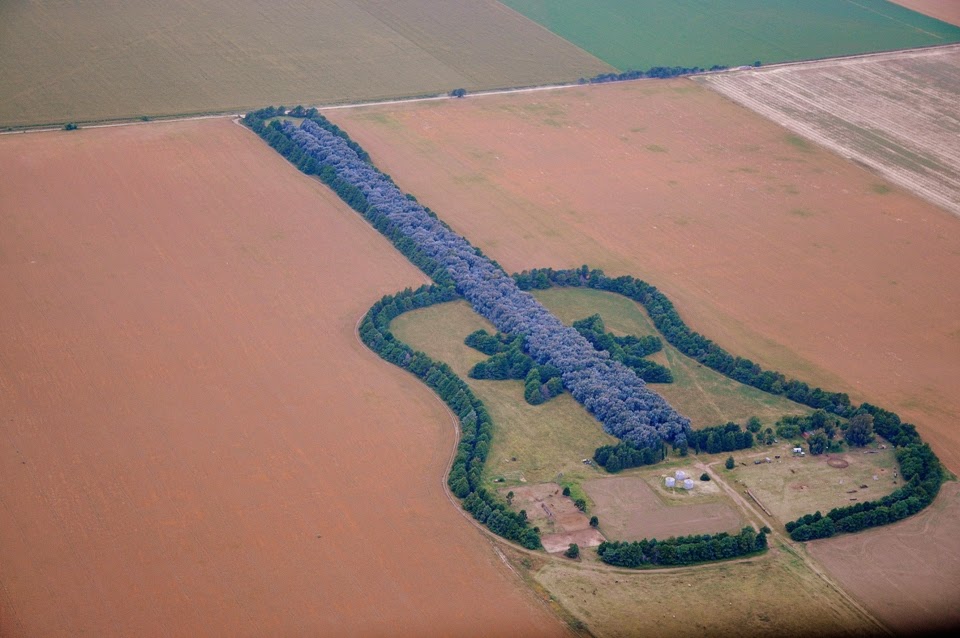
[70,126]
[458,92]
[573,551]
[753,424]
[818,443]
[860,430]
[581,504]
[704,477]
[729,463]
[594,521]
[566,491]
[510,497]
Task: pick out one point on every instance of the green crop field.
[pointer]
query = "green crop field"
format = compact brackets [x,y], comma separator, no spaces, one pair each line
[638,34]
[103,59]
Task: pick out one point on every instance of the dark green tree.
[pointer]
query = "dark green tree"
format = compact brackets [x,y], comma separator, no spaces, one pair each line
[594,521]
[566,491]
[860,430]
[818,443]
[573,551]
[729,463]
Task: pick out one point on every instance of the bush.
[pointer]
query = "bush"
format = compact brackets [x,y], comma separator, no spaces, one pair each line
[729,463]
[704,477]
[573,551]
[594,521]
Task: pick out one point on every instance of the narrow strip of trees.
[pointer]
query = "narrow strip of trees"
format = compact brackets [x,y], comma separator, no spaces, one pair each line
[682,550]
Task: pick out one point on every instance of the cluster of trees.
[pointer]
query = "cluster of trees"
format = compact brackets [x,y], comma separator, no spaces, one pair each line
[508,361]
[629,350]
[719,438]
[660,72]
[476,425]
[682,550]
[919,466]
[613,393]
[626,455]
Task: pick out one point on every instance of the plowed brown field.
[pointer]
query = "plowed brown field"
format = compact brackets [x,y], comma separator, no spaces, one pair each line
[779,250]
[193,440]
[946,10]
[908,574]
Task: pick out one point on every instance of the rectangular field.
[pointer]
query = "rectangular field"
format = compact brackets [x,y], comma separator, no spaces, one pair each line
[638,34]
[896,113]
[946,10]
[194,441]
[98,59]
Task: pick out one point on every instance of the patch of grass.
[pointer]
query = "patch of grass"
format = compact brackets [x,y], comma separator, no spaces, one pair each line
[546,440]
[799,143]
[704,396]
[767,595]
[880,188]
[655,148]
[800,212]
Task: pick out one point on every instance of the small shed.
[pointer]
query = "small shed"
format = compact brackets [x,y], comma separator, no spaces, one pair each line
[688,484]
[671,482]
[798,450]
[681,475]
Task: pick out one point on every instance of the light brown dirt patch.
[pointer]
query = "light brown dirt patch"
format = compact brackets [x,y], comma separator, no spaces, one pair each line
[629,510]
[780,251]
[908,573]
[559,520]
[193,440]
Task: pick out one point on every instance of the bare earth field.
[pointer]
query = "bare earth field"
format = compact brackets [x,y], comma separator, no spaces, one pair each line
[556,516]
[190,428]
[99,59]
[895,113]
[775,248]
[908,573]
[946,10]
[629,510]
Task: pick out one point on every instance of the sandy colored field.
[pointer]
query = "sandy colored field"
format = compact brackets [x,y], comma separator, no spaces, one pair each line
[772,595]
[99,59]
[946,10]
[629,510]
[895,113]
[908,574]
[193,440]
[792,486]
[778,250]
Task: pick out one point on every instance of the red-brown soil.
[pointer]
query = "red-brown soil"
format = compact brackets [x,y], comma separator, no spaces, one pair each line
[629,510]
[908,573]
[946,10]
[778,250]
[193,440]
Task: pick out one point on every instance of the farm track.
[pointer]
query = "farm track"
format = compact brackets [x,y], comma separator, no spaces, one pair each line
[894,113]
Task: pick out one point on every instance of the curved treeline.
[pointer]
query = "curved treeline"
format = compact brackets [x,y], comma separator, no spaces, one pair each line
[613,393]
[475,423]
[920,467]
[682,550]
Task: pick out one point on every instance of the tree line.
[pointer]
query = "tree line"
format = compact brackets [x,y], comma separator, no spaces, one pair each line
[683,550]
[476,426]
[919,466]
[610,391]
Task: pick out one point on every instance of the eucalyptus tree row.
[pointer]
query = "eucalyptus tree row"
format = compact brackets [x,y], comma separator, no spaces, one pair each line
[613,393]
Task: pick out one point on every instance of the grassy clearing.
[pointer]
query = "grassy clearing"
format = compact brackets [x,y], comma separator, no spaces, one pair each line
[793,486]
[638,34]
[703,395]
[547,440]
[100,60]
[774,594]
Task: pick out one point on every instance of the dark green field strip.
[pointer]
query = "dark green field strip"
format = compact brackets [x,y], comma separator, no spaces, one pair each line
[639,34]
